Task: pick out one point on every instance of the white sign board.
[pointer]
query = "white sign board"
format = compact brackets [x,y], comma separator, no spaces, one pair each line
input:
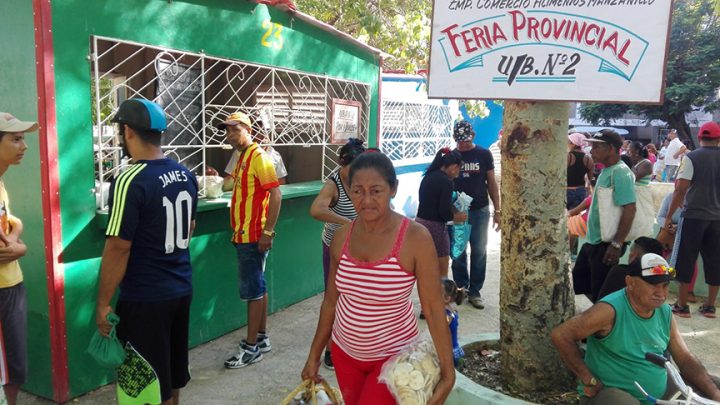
[345,121]
[572,50]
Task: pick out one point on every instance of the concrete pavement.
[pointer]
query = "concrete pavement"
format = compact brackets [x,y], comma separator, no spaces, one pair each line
[292,329]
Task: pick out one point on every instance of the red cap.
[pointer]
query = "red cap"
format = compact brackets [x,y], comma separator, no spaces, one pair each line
[709,130]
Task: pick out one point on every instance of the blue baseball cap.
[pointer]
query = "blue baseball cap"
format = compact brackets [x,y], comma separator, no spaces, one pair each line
[141,114]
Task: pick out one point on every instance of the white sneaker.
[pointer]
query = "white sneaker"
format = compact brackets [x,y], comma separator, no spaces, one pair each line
[264,344]
[245,356]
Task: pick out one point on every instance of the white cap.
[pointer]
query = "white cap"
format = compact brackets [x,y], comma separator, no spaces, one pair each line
[8,123]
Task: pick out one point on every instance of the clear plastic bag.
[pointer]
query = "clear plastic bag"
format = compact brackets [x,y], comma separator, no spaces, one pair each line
[412,374]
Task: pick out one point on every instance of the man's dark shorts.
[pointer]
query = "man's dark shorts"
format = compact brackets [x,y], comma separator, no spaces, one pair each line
[697,236]
[590,272]
[251,271]
[158,330]
[13,325]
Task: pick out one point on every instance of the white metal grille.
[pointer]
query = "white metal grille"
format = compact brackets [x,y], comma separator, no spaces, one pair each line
[197,91]
[414,130]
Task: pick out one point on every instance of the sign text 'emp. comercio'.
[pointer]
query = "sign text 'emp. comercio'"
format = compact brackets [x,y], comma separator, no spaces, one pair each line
[576,50]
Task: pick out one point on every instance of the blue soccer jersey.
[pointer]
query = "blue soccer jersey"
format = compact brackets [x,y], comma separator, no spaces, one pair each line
[152,204]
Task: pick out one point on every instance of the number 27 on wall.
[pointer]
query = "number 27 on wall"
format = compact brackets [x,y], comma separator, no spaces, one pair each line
[273,35]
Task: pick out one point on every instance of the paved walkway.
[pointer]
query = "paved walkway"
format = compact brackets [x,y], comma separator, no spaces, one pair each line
[292,330]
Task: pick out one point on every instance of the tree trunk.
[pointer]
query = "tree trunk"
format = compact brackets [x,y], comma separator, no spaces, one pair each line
[535,294]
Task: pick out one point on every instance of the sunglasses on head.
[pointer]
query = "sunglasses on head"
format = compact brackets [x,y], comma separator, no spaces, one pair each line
[659,270]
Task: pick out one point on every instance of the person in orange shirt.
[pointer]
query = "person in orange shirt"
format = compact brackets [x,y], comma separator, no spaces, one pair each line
[13,302]
[254,211]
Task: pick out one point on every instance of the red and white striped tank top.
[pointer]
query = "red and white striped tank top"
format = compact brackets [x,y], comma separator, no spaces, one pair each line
[374,315]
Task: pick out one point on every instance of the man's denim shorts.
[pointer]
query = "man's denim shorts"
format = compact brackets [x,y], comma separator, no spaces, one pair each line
[251,269]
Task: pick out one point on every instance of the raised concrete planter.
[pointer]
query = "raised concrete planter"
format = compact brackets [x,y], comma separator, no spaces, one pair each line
[467,391]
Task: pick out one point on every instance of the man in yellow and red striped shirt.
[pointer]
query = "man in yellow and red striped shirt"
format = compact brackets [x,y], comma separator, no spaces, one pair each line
[254,211]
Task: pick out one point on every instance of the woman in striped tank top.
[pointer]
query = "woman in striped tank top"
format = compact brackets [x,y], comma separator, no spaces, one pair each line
[334,207]
[374,264]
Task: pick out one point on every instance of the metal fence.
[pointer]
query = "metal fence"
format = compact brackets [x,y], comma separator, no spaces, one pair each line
[196,91]
[414,130]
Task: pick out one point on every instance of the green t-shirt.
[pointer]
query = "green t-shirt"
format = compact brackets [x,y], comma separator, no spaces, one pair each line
[618,359]
[622,179]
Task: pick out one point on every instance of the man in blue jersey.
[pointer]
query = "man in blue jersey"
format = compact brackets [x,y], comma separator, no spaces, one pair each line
[476,179]
[620,329]
[152,209]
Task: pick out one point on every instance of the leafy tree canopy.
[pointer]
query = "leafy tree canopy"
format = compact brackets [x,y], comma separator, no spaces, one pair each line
[400,28]
[692,75]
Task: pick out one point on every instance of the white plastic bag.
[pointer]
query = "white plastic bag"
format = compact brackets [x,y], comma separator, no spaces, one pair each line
[462,202]
[212,185]
[412,374]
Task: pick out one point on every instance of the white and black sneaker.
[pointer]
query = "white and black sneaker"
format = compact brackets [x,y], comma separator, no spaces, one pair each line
[263,343]
[245,356]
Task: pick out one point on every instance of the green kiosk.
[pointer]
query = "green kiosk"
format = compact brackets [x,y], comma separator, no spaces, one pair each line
[68,64]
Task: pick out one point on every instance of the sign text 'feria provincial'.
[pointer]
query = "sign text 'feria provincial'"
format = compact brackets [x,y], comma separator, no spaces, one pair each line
[574,50]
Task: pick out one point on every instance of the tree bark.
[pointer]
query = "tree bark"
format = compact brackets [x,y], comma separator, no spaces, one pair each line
[535,294]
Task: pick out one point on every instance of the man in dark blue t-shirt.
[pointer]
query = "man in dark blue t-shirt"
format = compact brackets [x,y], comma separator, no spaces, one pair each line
[476,179]
[152,209]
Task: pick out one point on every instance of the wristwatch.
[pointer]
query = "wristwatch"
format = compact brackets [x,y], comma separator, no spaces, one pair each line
[593,382]
[269,233]
[616,245]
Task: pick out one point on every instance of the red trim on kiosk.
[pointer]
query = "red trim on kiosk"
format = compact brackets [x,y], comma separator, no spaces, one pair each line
[45,72]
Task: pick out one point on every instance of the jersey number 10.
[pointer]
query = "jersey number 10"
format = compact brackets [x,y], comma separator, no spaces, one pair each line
[177,226]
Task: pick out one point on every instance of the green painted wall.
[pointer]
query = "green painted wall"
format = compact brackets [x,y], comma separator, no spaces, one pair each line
[18,95]
[225,28]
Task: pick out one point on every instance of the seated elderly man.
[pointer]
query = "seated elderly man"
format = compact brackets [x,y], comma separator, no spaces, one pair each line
[620,329]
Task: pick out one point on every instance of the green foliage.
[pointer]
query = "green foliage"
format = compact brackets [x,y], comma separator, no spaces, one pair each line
[400,28]
[108,102]
[598,114]
[476,108]
[692,76]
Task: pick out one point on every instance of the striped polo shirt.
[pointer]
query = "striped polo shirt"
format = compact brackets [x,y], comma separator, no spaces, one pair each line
[254,177]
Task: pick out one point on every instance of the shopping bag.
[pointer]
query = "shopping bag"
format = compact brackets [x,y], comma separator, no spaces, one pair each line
[610,213]
[309,393]
[107,351]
